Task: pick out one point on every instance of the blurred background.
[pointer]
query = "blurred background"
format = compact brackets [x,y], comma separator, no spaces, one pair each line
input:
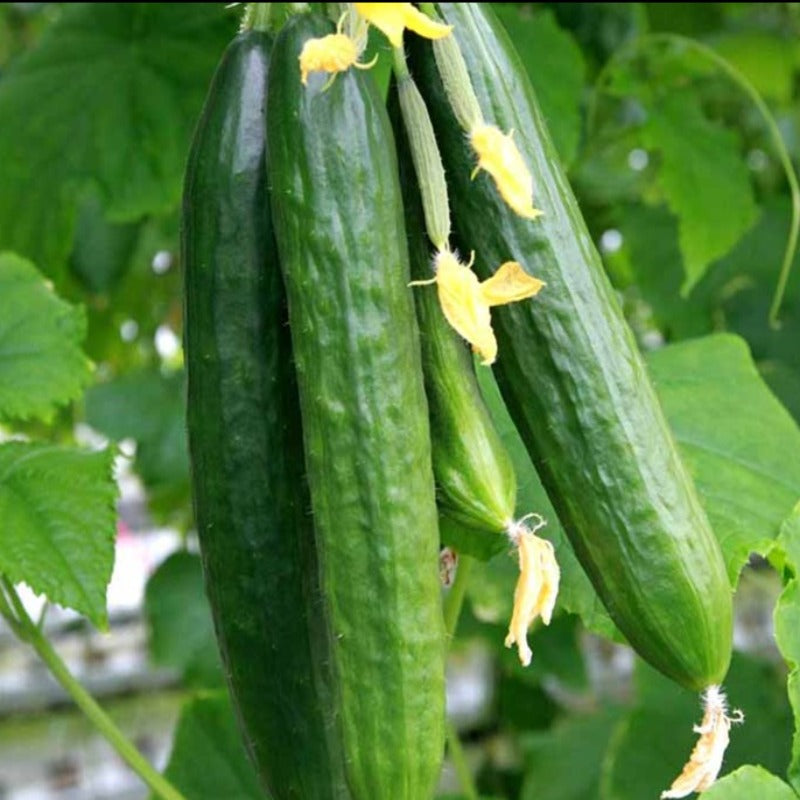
[676,170]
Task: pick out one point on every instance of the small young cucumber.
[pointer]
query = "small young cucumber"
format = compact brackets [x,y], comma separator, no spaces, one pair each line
[339,226]
[576,385]
[475,480]
[250,498]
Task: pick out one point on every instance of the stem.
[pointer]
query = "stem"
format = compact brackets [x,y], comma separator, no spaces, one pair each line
[27,630]
[459,759]
[455,597]
[452,610]
[772,127]
[257,17]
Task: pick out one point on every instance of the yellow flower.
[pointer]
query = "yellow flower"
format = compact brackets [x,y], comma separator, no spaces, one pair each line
[500,157]
[393,18]
[536,590]
[705,762]
[465,300]
[333,53]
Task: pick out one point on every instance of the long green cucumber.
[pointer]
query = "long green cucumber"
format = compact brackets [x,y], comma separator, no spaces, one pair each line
[245,439]
[475,480]
[576,386]
[339,226]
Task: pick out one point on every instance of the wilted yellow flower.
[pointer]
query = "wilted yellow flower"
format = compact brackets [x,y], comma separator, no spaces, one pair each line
[499,156]
[465,300]
[333,53]
[536,590]
[704,764]
[393,18]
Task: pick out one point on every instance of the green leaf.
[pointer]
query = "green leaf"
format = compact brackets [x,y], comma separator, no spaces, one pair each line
[734,436]
[704,178]
[57,534]
[766,60]
[208,760]
[564,762]
[787,629]
[108,99]
[41,363]
[555,66]
[179,618]
[148,407]
[652,743]
[748,783]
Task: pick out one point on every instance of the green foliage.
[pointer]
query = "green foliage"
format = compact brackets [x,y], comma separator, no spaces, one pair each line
[181,629]
[564,763]
[555,65]
[734,436]
[57,507]
[147,406]
[704,180]
[103,100]
[747,783]
[107,98]
[42,365]
[208,760]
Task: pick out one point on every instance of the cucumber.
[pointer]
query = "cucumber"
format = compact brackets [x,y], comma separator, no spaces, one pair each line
[245,441]
[475,480]
[575,384]
[339,227]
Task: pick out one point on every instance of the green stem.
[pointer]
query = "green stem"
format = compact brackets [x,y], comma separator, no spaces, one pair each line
[29,632]
[257,17]
[455,597]
[452,610]
[459,759]
[772,127]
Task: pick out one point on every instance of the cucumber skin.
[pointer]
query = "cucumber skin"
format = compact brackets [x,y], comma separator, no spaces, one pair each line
[475,480]
[339,226]
[245,441]
[576,386]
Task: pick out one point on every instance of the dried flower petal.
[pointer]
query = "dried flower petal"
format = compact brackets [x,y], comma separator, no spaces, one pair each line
[333,53]
[705,762]
[536,590]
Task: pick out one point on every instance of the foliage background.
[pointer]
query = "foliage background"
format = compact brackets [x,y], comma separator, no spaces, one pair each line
[682,187]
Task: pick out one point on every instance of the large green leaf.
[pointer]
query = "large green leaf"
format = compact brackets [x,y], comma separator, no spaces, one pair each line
[750,783]
[208,760]
[734,436]
[148,407]
[181,629]
[555,66]
[787,628]
[564,762]
[58,523]
[107,98]
[41,361]
[704,179]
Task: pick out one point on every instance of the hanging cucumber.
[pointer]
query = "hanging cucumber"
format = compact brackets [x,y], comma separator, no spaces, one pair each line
[575,383]
[250,497]
[339,226]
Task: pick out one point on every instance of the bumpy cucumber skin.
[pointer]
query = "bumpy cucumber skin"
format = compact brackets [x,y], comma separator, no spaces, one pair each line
[339,226]
[475,480]
[245,441]
[576,385]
